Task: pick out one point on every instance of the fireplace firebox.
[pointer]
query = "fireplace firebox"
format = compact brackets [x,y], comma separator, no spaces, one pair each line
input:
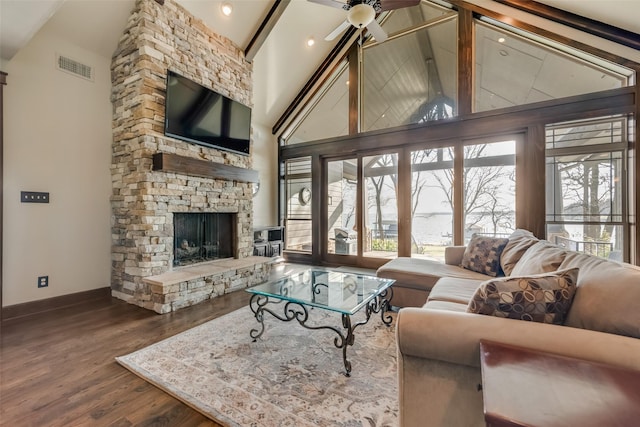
[200,237]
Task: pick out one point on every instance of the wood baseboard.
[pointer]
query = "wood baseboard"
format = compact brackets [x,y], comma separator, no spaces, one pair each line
[41,306]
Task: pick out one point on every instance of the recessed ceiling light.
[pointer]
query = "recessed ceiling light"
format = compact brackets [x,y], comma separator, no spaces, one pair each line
[503,52]
[226,9]
[501,40]
[310,41]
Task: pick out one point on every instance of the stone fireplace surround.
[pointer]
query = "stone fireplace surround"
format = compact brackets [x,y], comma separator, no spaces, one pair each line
[144,198]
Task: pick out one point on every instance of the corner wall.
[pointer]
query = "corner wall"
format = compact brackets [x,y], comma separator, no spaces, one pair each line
[57,139]
[265,161]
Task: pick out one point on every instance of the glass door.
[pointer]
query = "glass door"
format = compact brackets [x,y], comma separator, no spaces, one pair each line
[298,209]
[342,186]
[380,213]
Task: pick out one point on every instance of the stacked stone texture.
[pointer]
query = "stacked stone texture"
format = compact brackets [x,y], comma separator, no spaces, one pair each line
[170,297]
[158,38]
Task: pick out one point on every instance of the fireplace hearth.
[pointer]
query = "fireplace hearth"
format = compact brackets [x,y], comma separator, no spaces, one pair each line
[200,237]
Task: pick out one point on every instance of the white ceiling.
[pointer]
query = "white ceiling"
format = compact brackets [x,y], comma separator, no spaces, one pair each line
[20,20]
[283,64]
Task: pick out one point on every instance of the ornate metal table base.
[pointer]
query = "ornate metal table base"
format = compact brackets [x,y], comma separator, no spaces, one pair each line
[298,311]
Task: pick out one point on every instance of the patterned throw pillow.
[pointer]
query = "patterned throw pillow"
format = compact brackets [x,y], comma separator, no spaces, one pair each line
[544,298]
[482,255]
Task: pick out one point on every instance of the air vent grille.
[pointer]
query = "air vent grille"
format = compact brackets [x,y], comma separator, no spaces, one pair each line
[74,67]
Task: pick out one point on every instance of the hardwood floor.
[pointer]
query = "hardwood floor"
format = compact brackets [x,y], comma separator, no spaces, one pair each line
[58,368]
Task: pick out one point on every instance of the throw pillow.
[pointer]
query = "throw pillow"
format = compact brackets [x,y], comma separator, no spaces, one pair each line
[482,255]
[544,298]
[519,241]
[543,257]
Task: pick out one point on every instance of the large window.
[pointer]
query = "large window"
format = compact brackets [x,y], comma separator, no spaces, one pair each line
[489,187]
[514,67]
[487,192]
[409,183]
[406,18]
[411,78]
[431,202]
[586,186]
[328,113]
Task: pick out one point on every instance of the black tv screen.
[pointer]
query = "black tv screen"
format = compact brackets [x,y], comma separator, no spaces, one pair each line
[202,116]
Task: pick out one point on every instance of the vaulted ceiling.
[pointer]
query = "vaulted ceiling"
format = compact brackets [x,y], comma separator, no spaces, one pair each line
[283,63]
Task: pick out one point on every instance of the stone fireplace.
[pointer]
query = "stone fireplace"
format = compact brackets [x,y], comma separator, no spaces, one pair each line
[150,195]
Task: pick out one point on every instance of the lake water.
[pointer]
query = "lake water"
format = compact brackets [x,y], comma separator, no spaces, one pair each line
[433,229]
[437,228]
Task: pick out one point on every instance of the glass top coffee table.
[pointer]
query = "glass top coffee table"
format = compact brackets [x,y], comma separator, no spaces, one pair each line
[342,292]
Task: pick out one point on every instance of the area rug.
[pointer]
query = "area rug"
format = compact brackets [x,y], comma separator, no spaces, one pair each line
[291,376]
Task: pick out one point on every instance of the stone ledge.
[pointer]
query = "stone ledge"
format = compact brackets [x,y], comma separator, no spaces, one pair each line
[187,286]
[198,271]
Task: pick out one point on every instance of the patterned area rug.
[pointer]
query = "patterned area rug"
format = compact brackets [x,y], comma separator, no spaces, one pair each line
[291,376]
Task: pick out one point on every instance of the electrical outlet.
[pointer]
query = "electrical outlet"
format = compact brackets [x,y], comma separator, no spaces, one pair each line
[43,281]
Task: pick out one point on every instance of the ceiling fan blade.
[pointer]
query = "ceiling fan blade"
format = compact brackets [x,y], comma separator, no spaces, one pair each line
[331,3]
[376,31]
[335,33]
[397,4]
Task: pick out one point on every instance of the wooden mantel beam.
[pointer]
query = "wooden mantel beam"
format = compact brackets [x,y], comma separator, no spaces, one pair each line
[166,162]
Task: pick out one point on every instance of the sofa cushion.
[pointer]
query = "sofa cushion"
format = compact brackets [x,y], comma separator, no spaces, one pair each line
[446,305]
[519,241]
[483,255]
[542,257]
[608,295]
[454,290]
[422,274]
[544,298]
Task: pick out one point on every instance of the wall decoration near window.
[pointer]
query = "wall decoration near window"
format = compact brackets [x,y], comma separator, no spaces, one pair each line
[304,195]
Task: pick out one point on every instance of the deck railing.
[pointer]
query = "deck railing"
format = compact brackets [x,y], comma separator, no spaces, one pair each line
[601,249]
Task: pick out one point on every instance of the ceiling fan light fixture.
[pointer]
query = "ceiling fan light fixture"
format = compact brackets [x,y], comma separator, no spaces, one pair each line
[361,15]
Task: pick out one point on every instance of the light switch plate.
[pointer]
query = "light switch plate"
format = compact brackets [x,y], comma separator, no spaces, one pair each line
[34,197]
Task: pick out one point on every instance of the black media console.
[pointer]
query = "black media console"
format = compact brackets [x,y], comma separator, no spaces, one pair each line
[268,241]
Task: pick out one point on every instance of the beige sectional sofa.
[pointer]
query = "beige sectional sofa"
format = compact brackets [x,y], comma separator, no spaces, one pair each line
[438,342]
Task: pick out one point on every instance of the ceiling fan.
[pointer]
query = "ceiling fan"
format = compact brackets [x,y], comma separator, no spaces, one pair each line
[362,13]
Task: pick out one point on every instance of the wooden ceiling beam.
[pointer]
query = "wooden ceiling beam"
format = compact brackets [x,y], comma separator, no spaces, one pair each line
[265,28]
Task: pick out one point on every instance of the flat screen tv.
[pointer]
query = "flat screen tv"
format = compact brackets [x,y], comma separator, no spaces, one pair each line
[202,116]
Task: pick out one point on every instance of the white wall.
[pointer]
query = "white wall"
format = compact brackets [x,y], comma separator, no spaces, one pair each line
[265,161]
[57,138]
